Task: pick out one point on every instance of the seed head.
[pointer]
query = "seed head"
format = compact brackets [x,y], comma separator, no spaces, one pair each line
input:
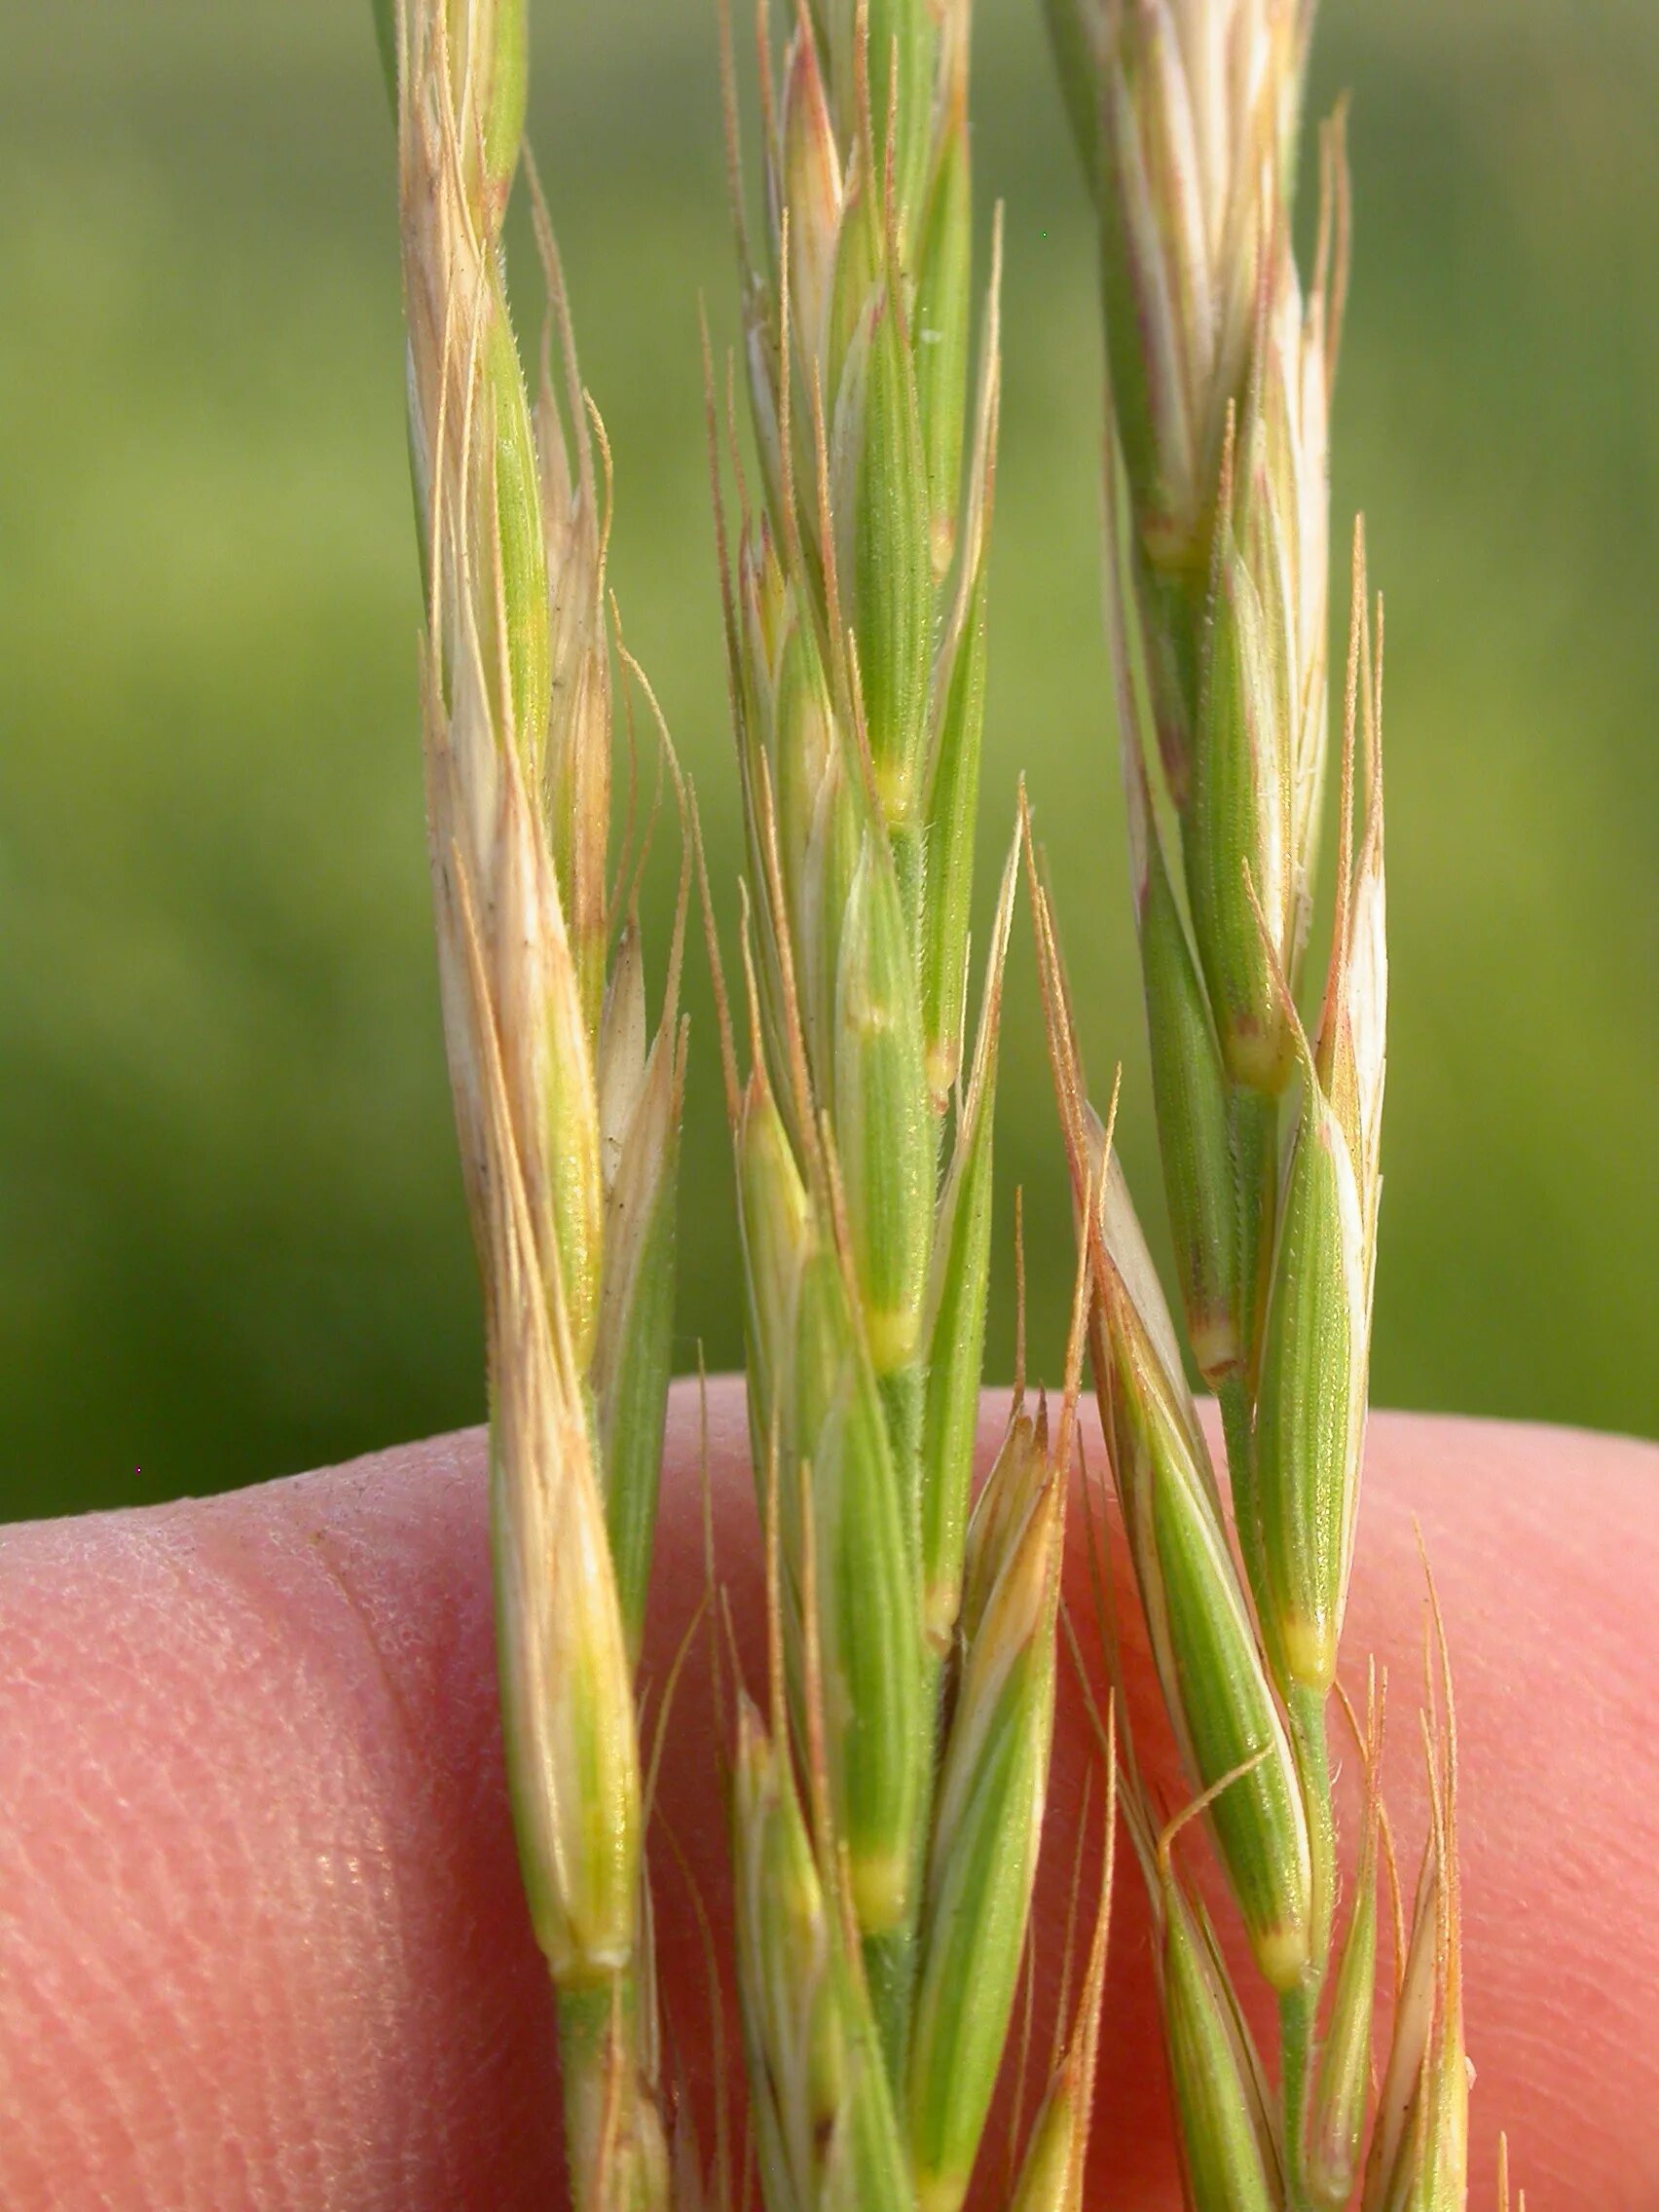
[1315,1353]
[567,1686]
[1259,744]
[1212,1671]
[1187,144]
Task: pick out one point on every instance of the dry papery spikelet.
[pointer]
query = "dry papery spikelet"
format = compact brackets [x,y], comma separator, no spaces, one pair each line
[567,1113]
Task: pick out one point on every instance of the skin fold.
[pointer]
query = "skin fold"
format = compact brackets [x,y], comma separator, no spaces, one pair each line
[261,1937]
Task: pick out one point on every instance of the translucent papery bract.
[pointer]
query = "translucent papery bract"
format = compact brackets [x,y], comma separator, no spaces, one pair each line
[1259,746]
[567,1687]
[1046,2170]
[1290,501]
[820,818]
[548,1066]
[567,1690]
[488,54]
[1214,1684]
[575,774]
[960,1286]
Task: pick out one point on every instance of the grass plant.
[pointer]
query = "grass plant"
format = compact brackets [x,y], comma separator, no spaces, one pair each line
[905,1756]
[887,1785]
[568,1104]
[1220,370]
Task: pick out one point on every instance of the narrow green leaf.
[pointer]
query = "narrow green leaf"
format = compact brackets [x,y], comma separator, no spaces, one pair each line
[385,45]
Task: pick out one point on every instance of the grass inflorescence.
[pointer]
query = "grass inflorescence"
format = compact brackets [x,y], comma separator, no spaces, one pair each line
[886,1785]
[1220,376]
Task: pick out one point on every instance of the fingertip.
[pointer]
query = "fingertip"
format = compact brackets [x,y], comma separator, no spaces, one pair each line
[267,1939]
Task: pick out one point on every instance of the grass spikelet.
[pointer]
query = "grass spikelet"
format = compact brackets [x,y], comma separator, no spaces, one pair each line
[1220,372]
[568,1105]
[855,604]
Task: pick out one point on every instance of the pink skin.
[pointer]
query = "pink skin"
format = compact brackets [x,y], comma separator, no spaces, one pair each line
[261,1940]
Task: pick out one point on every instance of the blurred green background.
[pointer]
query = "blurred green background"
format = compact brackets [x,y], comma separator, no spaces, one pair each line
[232,1240]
